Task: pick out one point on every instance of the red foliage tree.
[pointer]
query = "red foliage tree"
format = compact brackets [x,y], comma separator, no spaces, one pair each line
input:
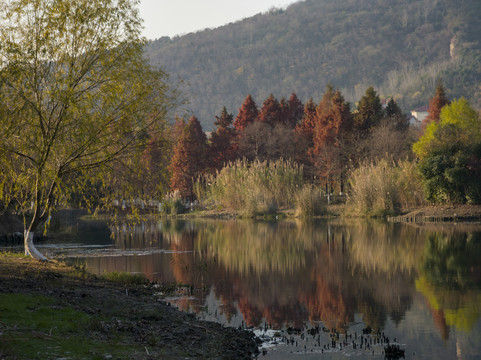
[436,103]
[154,177]
[284,114]
[189,158]
[271,112]
[308,123]
[248,113]
[295,111]
[330,150]
[178,128]
[325,104]
[221,145]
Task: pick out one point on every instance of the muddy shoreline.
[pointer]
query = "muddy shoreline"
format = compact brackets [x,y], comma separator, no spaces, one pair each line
[150,329]
[440,213]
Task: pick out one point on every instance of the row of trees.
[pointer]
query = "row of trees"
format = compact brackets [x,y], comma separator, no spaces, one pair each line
[327,138]
[330,141]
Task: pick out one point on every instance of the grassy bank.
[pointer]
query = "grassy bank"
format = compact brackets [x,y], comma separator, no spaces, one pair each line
[52,311]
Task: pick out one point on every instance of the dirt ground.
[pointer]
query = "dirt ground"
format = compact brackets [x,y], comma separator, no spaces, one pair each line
[462,212]
[152,329]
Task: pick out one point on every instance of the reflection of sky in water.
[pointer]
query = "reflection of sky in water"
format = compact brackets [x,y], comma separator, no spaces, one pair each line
[419,286]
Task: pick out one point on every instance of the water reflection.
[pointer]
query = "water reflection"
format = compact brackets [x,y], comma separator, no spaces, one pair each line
[450,280]
[291,273]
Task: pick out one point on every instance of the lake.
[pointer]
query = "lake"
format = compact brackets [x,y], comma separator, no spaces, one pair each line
[317,289]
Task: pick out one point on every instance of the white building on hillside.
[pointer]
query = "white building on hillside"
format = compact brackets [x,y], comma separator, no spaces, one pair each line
[418,115]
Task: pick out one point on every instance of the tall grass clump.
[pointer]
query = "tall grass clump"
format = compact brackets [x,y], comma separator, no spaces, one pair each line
[383,187]
[172,204]
[253,188]
[310,201]
[410,185]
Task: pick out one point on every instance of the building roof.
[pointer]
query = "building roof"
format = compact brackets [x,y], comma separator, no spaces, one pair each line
[424,108]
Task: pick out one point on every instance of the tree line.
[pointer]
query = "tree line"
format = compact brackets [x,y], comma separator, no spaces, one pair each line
[327,138]
[439,161]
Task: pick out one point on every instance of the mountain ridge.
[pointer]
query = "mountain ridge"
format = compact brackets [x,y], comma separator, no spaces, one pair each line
[401,47]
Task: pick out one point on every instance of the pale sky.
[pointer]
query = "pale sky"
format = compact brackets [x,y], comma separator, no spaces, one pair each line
[177,17]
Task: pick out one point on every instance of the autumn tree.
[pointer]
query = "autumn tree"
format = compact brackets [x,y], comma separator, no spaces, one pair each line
[391,138]
[296,110]
[284,106]
[248,113]
[222,148]
[330,151]
[271,112]
[387,141]
[436,104]
[189,158]
[252,141]
[153,175]
[77,96]
[178,128]
[292,111]
[308,123]
[326,102]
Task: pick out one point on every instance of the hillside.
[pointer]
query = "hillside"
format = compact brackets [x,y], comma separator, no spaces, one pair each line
[398,46]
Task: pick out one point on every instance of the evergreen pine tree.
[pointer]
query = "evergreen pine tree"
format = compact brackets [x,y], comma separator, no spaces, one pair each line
[369,112]
[394,116]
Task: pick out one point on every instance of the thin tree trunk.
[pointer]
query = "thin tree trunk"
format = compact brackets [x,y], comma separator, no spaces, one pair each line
[30,249]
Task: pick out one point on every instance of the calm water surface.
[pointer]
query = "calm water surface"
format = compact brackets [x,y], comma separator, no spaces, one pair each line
[419,285]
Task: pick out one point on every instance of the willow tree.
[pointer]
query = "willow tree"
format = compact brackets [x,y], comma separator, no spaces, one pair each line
[76,95]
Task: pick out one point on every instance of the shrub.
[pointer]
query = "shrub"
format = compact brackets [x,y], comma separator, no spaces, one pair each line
[172,204]
[382,187]
[253,188]
[310,201]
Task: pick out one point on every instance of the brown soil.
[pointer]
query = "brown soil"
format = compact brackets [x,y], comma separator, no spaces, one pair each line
[460,212]
[166,332]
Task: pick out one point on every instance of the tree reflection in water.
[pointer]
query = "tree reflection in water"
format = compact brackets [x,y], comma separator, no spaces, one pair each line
[450,279]
[291,272]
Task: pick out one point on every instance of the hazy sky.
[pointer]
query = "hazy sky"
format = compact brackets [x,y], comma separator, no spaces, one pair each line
[176,17]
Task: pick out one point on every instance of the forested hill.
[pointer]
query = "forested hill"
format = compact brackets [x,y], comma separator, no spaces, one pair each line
[398,46]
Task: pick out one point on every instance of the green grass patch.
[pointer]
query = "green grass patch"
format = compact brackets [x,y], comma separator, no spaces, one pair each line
[15,255]
[37,327]
[125,278]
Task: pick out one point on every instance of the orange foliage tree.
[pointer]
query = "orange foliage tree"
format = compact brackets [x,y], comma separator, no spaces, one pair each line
[189,158]
[271,112]
[221,145]
[330,150]
[436,103]
[248,113]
